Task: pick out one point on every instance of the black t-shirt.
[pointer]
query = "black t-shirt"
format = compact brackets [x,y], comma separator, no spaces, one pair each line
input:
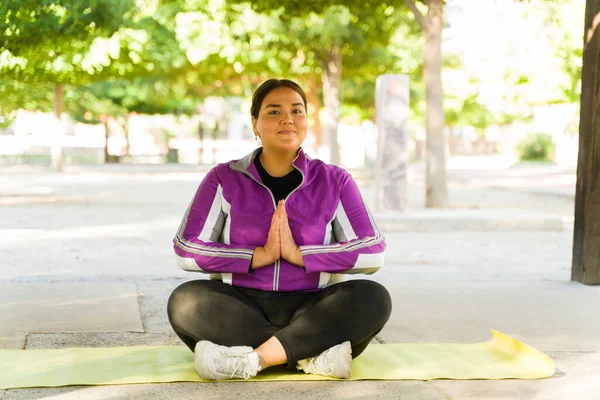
[280,187]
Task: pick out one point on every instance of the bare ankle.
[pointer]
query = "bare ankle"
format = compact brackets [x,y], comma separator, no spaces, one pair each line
[271,353]
[261,361]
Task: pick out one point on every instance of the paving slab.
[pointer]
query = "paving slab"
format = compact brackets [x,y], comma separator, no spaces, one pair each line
[547,180]
[377,390]
[577,377]
[154,296]
[97,339]
[549,316]
[106,243]
[452,220]
[469,196]
[68,307]
[477,256]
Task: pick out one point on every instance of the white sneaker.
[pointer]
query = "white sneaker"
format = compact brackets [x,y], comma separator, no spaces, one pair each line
[335,361]
[212,361]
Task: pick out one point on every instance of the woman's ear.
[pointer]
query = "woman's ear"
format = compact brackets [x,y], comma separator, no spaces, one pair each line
[254,120]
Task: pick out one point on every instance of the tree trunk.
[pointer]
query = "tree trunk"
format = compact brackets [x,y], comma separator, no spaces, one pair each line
[201,132]
[56,153]
[215,135]
[332,74]
[436,195]
[313,99]
[586,246]
[126,131]
[106,135]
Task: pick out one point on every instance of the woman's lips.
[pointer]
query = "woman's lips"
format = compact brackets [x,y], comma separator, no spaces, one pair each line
[286,132]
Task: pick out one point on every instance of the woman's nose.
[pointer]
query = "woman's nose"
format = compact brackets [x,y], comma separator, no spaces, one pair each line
[286,118]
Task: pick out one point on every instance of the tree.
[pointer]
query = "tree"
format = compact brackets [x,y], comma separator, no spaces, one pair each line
[586,247]
[60,43]
[562,22]
[340,39]
[84,107]
[119,97]
[49,41]
[431,26]
[431,23]
[321,35]
[16,95]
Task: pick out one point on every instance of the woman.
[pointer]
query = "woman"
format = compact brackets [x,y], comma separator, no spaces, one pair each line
[271,229]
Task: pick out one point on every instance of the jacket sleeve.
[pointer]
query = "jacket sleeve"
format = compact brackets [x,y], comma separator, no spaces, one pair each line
[357,246]
[200,244]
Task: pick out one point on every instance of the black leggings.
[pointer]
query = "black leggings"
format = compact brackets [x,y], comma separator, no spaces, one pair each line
[306,323]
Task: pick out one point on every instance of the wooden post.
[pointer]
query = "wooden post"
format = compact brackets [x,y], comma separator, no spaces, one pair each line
[586,238]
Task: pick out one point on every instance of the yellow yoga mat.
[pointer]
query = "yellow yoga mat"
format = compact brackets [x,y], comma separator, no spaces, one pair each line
[503,357]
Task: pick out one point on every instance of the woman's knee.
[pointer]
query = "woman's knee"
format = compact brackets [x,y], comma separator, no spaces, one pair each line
[187,299]
[373,295]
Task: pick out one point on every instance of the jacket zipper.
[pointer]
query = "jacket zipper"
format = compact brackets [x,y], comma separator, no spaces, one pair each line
[276,275]
[277,262]
[276,283]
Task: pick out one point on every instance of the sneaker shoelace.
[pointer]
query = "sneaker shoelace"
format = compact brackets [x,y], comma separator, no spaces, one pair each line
[324,363]
[224,362]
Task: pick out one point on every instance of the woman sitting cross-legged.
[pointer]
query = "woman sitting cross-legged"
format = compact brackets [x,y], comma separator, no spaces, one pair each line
[271,229]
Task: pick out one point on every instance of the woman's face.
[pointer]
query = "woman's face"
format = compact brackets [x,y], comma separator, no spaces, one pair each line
[281,122]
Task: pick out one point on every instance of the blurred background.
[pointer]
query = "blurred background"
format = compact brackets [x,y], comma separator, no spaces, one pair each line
[159,81]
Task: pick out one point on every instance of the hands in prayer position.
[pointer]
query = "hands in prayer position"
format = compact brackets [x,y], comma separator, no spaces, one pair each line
[280,242]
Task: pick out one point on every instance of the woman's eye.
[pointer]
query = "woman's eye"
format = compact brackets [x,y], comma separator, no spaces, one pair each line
[277,112]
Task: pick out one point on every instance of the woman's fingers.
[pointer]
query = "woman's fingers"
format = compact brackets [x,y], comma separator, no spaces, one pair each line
[283,211]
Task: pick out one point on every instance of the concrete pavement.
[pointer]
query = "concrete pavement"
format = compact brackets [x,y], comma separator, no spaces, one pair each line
[72,237]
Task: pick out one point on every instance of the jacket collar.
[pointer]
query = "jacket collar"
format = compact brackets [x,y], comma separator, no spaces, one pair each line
[246,164]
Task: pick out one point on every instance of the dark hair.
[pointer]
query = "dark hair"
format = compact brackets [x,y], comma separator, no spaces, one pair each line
[270,85]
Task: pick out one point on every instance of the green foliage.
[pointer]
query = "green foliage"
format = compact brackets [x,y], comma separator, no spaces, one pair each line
[305,33]
[62,25]
[15,95]
[50,40]
[119,97]
[563,21]
[95,41]
[231,47]
[162,56]
[402,55]
[7,121]
[76,43]
[469,112]
[536,147]
[84,107]
[147,96]
[299,8]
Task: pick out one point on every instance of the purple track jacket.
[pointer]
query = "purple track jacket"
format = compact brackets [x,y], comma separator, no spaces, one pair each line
[231,214]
